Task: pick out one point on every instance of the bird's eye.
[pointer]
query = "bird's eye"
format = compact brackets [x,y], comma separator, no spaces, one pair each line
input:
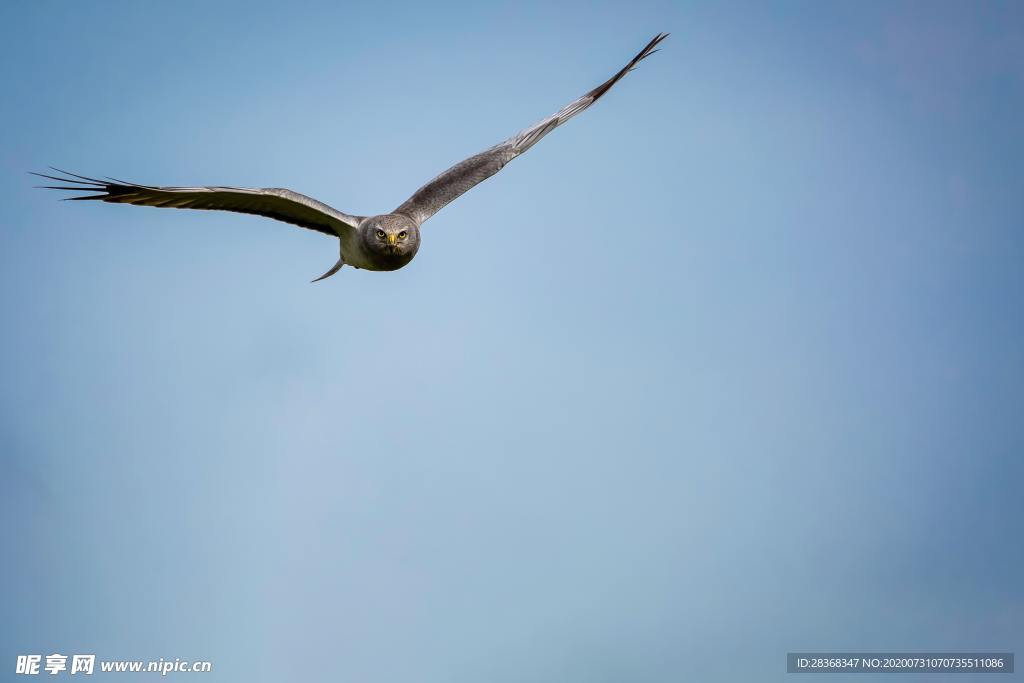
[402,235]
[380,234]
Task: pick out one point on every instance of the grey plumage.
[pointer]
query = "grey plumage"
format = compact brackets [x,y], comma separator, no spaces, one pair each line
[466,174]
[271,202]
[384,242]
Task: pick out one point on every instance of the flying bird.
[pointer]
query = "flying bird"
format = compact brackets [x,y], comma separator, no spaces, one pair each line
[383,242]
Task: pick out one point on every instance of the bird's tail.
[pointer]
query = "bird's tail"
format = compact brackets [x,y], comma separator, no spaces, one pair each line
[334,269]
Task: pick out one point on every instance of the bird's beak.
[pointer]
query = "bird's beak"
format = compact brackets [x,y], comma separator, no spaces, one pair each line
[392,240]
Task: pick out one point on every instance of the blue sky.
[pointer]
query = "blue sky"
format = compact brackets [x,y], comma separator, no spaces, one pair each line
[729,366]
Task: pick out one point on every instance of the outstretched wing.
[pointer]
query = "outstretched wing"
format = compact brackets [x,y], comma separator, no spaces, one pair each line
[272,202]
[464,175]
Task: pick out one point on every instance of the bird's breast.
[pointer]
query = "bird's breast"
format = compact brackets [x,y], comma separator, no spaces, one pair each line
[357,255]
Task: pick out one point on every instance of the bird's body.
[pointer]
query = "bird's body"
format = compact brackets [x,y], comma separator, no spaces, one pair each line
[383,242]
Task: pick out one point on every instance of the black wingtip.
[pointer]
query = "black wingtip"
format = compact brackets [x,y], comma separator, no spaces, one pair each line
[65,187]
[648,50]
[51,177]
[75,175]
[73,181]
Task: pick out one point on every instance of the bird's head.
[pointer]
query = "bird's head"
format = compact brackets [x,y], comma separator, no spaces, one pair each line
[391,239]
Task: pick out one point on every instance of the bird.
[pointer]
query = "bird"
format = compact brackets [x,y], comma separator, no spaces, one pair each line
[384,242]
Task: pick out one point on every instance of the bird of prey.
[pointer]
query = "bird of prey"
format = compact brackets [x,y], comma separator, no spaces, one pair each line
[383,242]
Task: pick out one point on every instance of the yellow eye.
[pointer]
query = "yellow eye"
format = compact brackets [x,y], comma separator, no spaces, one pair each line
[380,234]
[402,235]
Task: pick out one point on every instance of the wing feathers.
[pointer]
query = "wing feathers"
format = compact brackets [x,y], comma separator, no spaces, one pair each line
[292,207]
[277,203]
[466,174]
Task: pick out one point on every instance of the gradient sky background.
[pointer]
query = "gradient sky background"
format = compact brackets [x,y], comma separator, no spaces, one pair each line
[729,366]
